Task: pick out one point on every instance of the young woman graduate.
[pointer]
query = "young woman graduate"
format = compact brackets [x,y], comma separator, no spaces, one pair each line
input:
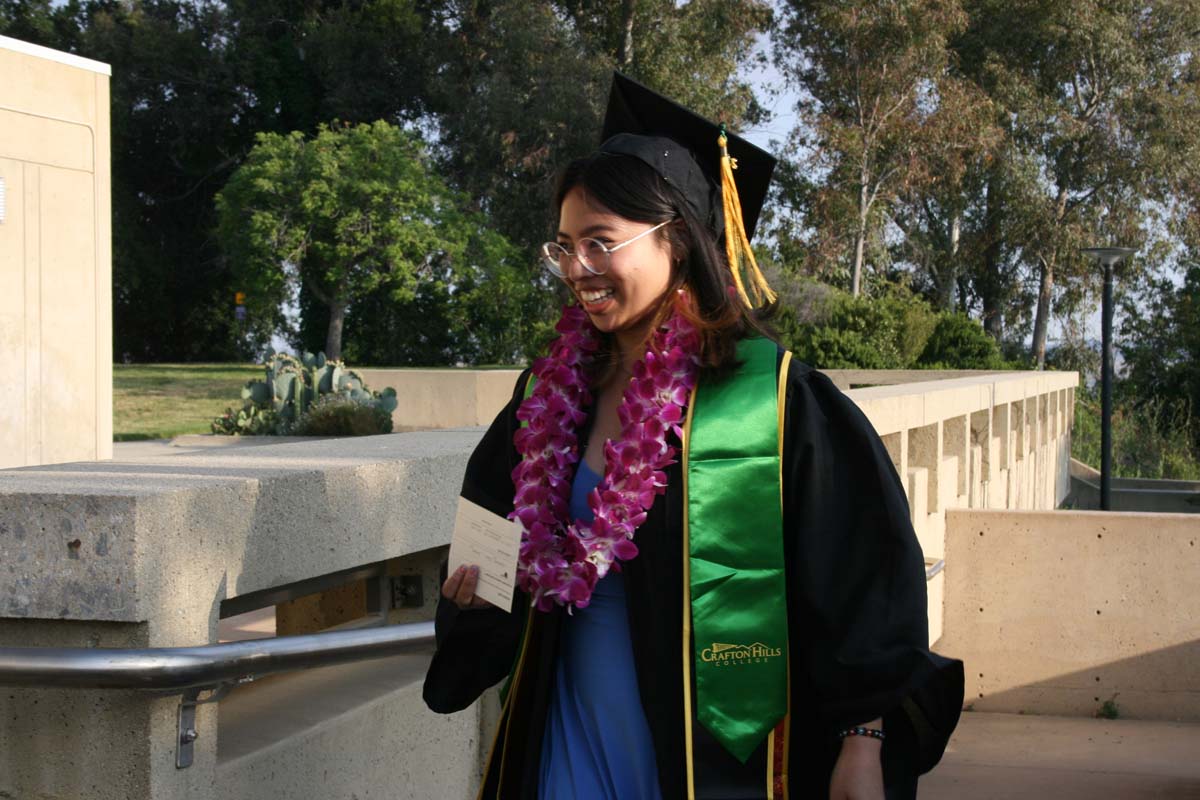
[720,592]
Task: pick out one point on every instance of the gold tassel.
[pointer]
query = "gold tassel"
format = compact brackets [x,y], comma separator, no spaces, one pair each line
[737,245]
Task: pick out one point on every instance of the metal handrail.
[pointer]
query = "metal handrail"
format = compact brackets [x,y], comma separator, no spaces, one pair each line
[933,569]
[178,668]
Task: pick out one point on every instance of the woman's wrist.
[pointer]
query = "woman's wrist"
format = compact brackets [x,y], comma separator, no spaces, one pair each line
[861,744]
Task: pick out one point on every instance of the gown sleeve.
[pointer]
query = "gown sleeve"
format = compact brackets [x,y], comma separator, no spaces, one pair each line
[857,594]
[476,647]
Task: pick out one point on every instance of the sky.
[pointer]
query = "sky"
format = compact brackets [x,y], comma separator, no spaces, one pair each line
[774,94]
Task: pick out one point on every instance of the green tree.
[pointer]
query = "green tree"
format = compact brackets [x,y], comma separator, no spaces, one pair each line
[1091,95]
[1160,344]
[521,86]
[832,329]
[193,82]
[940,208]
[348,212]
[874,76]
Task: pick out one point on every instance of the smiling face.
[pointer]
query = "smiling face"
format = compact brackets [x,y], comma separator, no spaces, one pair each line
[623,300]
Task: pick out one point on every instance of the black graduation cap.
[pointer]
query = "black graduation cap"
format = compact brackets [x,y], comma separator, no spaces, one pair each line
[681,146]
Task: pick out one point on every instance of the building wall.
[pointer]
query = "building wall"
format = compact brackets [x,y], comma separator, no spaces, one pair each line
[55,257]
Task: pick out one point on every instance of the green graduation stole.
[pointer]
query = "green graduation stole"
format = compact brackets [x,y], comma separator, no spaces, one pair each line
[733,523]
[735,571]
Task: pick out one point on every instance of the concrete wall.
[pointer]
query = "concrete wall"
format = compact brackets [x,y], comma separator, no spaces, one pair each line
[55,257]
[860,378]
[432,399]
[958,438]
[361,731]
[1058,612]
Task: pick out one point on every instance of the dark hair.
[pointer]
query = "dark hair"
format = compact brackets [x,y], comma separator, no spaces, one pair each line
[629,188]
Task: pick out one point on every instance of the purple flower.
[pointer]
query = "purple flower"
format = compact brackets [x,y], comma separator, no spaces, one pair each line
[560,561]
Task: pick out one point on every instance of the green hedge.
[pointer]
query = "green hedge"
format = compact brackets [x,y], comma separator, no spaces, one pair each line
[831,329]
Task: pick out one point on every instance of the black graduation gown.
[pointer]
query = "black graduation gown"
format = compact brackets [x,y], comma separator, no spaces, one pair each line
[858,629]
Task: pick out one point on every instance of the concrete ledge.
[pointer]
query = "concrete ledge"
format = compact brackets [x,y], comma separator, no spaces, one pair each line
[149,547]
[165,540]
[1061,611]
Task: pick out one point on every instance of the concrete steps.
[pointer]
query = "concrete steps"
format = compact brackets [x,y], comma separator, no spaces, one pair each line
[1028,757]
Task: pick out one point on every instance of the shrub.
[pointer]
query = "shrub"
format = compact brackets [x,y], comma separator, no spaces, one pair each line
[338,415]
[959,342]
[1150,440]
[830,329]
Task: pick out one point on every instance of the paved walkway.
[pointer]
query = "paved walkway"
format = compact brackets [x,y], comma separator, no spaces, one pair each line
[1027,757]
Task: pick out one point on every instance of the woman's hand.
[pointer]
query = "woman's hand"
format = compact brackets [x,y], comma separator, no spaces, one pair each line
[858,773]
[460,587]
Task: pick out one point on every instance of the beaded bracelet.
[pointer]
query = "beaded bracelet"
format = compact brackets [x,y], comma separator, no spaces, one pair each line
[874,733]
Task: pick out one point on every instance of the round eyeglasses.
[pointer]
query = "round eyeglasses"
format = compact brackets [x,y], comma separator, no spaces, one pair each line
[594,255]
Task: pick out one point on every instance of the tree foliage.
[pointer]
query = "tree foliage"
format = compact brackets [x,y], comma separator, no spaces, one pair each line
[505,91]
[192,83]
[1160,345]
[1091,92]
[873,74]
[356,212]
[522,87]
[976,145]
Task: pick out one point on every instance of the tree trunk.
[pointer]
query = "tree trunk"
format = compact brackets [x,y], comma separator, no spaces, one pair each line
[860,238]
[955,240]
[625,52]
[989,286]
[333,339]
[1042,320]
[947,277]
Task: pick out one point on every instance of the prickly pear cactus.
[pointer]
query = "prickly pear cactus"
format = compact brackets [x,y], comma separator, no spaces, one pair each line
[291,388]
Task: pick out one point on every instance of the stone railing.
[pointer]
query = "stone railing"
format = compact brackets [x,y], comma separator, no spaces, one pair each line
[154,552]
[990,440]
[1133,494]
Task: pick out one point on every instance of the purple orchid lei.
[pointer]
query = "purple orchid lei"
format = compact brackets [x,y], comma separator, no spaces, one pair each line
[561,560]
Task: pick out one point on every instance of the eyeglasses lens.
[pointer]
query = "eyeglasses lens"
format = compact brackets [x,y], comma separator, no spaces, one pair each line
[592,254]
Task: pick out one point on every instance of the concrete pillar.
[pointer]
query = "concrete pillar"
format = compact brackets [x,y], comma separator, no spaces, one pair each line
[956,443]
[897,447]
[925,450]
[55,254]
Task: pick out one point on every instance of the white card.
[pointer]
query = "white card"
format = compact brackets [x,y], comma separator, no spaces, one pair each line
[490,542]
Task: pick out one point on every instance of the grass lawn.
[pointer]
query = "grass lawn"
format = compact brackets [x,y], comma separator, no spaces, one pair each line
[158,401]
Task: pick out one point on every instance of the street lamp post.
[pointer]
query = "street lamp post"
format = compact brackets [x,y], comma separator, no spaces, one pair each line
[1108,257]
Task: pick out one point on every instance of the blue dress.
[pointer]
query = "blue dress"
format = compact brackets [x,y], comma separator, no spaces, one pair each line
[597,744]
